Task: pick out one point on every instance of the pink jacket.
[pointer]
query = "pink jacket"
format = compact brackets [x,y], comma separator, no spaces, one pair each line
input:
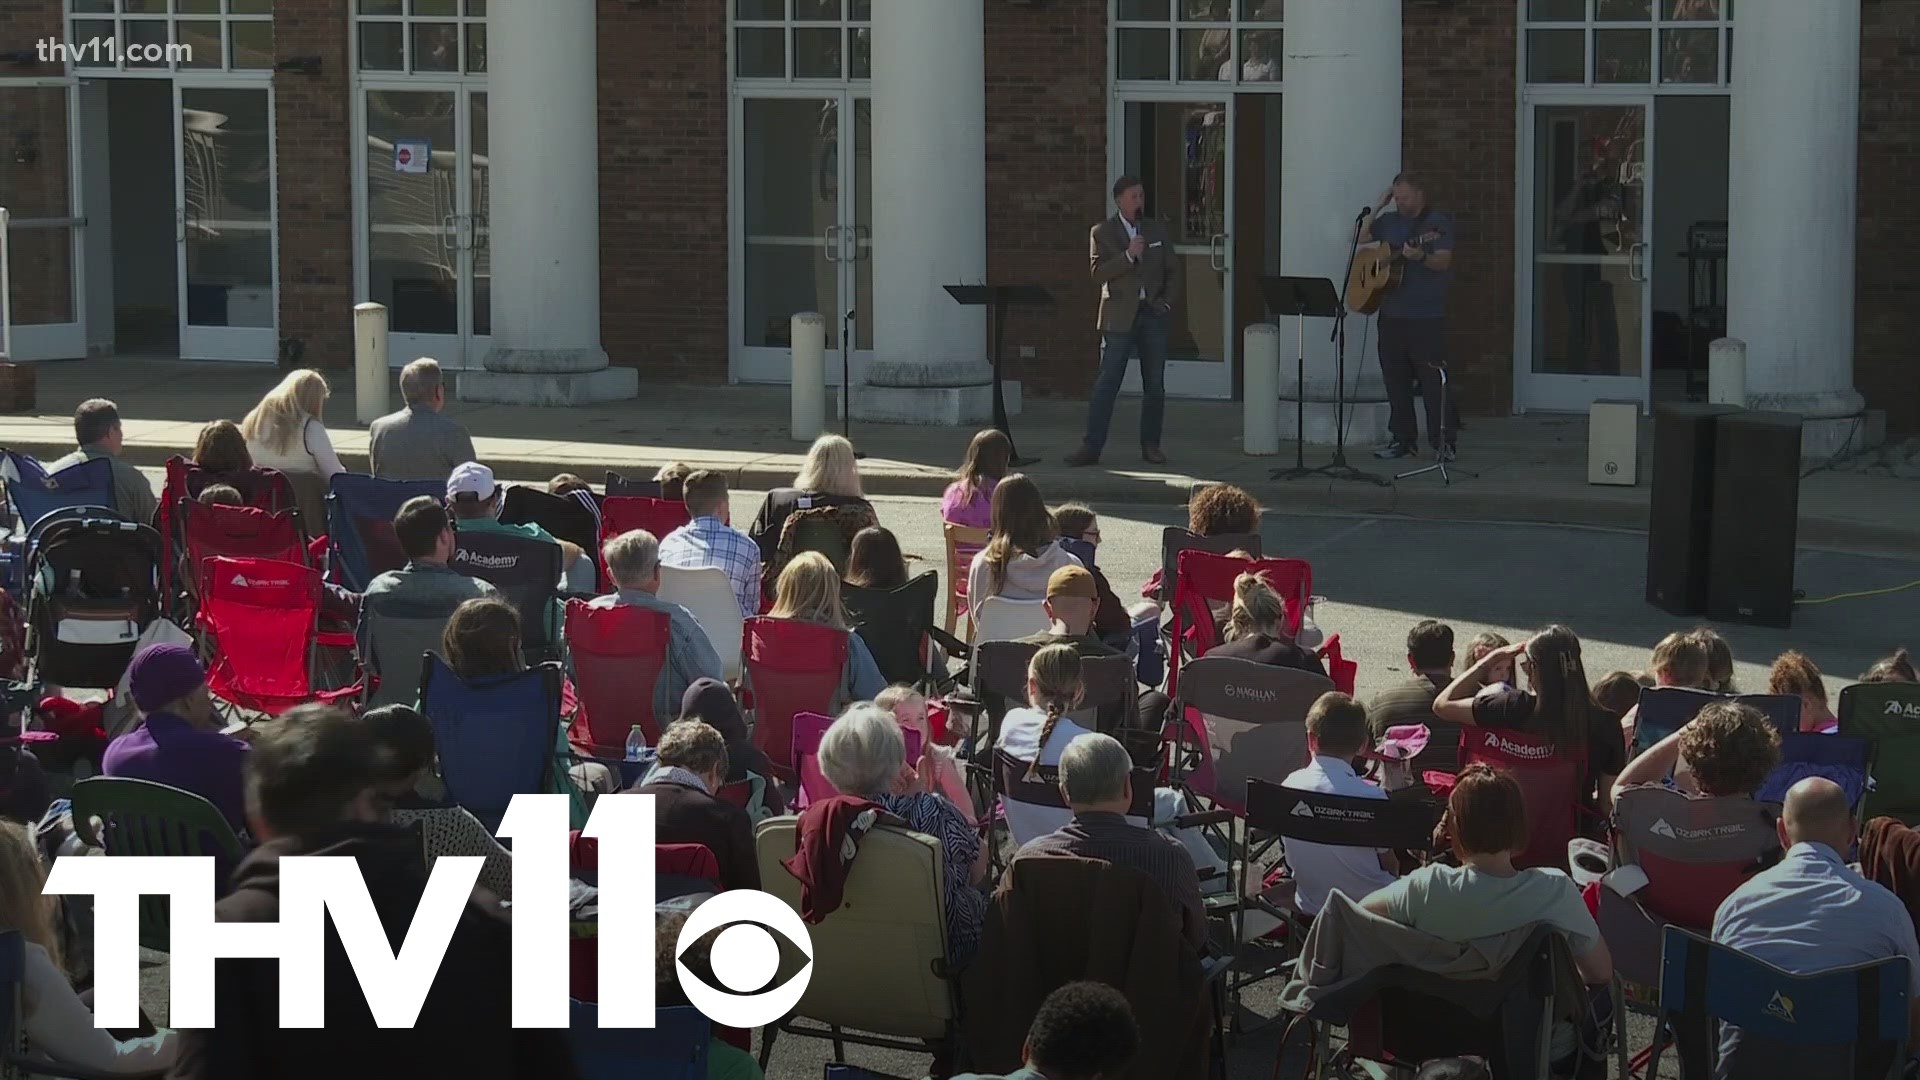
[962,507]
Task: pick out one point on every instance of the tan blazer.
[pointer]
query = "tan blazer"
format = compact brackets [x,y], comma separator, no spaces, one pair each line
[1121,280]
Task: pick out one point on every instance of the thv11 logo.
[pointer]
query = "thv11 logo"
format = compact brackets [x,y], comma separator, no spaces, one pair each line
[744,956]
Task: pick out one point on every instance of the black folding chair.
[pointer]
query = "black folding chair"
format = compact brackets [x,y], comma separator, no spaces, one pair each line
[620,485]
[527,573]
[898,626]
[563,516]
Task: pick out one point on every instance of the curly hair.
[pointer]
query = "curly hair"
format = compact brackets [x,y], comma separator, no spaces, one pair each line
[1083,1029]
[1730,748]
[1223,510]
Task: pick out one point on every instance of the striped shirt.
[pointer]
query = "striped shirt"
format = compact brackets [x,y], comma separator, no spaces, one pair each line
[1111,838]
[708,541]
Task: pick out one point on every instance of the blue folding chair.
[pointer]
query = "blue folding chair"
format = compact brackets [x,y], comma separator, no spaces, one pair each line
[1844,759]
[36,492]
[495,737]
[360,511]
[675,1048]
[1846,1022]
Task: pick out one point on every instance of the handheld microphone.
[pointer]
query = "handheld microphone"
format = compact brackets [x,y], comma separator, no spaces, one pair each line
[1365,212]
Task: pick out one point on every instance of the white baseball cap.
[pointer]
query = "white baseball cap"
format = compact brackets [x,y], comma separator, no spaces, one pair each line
[471,478]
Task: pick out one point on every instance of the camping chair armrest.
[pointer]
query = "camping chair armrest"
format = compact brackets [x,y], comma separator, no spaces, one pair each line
[956,649]
[1202,819]
[1214,968]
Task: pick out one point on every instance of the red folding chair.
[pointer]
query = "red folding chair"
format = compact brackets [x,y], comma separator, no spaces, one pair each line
[1551,785]
[808,730]
[261,621]
[625,513]
[237,532]
[618,654]
[266,489]
[791,667]
[1206,578]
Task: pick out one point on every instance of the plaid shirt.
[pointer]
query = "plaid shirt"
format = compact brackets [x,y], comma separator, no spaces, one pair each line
[708,541]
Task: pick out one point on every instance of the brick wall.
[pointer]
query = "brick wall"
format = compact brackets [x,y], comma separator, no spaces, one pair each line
[314,162]
[663,188]
[1046,178]
[1458,131]
[24,22]
[1888,281]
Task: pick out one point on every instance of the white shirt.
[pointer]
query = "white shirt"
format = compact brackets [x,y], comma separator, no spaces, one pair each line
[1320,868]
[1020,737]
[1132,234]
[59,1025]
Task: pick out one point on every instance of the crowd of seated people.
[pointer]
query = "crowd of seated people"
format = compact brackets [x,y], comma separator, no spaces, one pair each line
[324,780]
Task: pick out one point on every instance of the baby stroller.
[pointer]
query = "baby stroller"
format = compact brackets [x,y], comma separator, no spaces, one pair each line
[93,589]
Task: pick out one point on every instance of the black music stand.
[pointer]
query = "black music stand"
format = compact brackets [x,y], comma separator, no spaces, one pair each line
[1315,298]
[995,299]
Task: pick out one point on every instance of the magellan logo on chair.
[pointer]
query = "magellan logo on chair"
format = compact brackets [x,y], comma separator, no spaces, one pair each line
[743,956]
[1781,1007]
[1250,693]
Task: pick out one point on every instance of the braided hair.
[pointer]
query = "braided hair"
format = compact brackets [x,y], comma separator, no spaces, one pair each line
[1053,685]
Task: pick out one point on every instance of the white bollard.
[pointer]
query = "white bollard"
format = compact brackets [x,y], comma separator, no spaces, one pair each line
[369,362]
[1727,372]
[6,293]
[809,332]
[1261,424]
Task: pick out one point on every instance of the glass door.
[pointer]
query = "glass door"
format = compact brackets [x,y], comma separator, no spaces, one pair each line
[1182,151]
[424,240]
[42,306]
[225,208]
[1586,292]
[803,229]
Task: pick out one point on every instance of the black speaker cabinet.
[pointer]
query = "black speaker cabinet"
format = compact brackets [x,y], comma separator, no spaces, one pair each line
[1681,505]
[1756,516]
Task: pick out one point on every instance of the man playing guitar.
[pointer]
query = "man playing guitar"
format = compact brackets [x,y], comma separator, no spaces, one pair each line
[1413,316]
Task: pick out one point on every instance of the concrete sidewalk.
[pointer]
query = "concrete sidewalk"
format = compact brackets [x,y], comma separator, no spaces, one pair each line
[1530,468]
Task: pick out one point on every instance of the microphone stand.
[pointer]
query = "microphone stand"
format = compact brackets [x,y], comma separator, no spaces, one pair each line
[1338,469]
[846,381]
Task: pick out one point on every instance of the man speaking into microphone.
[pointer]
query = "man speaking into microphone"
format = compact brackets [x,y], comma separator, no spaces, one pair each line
[1139,279]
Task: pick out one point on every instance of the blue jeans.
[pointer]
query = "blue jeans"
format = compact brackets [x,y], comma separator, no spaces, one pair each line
[1148,337]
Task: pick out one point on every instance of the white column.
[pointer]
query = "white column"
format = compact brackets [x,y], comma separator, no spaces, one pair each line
[929,212]
[544,212]
[1790,204]
[1340,148]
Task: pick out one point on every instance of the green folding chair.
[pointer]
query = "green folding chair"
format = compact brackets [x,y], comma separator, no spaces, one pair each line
[1888,716]
[141,817]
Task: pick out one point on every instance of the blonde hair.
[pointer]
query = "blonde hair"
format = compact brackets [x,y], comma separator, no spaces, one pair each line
[1719,659]
[894,696]
[1681,660]
[809,590]
[1257,609]
[1056,687]
[279,421]
[830,469]
[22,905]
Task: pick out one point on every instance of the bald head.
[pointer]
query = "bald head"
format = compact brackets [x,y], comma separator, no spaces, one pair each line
[1816,812]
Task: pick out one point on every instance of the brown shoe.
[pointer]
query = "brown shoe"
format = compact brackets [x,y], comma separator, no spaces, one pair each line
[1086,455]
[1152,455]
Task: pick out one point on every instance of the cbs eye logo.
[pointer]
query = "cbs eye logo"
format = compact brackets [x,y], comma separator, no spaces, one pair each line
[744,958]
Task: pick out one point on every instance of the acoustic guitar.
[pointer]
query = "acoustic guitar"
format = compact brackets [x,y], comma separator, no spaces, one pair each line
[1378,269]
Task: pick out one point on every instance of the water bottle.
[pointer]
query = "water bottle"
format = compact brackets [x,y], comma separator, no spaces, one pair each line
[636,743]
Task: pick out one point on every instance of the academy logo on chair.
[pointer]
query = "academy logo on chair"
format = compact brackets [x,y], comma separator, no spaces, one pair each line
[1781,1007]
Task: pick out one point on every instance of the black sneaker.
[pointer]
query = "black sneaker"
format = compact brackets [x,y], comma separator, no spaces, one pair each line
[1394,450]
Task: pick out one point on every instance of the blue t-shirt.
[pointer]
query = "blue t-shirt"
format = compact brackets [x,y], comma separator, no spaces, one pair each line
[1423,290]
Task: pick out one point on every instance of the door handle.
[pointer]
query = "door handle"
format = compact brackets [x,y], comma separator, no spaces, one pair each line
[862,235]
[180,226]
[1217,251]
[1636,269]
[833,243]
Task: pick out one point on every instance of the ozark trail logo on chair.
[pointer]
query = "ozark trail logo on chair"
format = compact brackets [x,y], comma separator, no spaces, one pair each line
[1661,828]
[1781,1007]
[1301,810]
